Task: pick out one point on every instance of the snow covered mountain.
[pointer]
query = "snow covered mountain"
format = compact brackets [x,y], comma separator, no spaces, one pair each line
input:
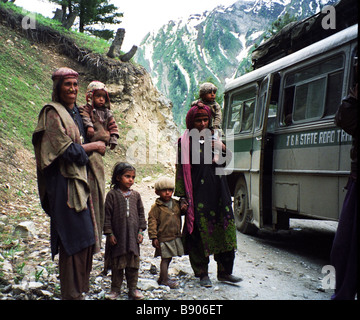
[215,45]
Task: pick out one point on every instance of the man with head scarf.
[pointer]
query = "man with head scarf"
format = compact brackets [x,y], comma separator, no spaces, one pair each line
[61,159]
[209,221]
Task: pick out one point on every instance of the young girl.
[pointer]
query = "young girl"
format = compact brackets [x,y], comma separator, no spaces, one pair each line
[124,225]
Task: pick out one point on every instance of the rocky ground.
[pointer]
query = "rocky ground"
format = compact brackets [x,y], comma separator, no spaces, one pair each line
[282,266]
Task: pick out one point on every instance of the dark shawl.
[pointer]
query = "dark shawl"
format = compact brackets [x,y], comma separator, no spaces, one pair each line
[62,178]
[208,195]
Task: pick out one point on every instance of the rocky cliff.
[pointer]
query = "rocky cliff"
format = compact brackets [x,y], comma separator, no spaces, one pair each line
[152,133]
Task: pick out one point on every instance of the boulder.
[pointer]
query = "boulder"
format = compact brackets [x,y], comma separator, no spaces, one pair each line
[26,230]
[147,284]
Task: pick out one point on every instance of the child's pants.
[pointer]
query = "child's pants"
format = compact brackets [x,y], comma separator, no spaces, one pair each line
[117,277]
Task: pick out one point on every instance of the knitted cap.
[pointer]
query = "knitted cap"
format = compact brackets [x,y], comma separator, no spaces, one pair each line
[201,112]
[94,86]
[164,183]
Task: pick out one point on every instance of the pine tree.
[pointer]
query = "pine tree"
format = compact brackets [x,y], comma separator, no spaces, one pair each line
[278,24]
[92,13]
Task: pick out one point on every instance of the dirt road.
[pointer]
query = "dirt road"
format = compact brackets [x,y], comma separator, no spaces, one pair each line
[274,266]
[285,265]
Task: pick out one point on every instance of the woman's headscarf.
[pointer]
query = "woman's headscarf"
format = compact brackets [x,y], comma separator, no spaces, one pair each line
[196,110]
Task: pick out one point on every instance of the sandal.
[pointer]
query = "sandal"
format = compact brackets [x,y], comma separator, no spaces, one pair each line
[170,283]
[112,295]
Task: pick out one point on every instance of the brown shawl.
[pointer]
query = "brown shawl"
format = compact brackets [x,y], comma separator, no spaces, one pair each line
[54,133]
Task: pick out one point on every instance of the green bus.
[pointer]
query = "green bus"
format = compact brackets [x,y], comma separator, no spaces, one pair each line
[289,158]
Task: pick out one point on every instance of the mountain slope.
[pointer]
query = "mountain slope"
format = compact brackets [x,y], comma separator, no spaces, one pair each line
[213,45]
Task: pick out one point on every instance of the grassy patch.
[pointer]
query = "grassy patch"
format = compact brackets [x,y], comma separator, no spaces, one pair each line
[83,40]
[24,82]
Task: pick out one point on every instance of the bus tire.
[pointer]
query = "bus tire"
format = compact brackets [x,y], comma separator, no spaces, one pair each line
[242,214]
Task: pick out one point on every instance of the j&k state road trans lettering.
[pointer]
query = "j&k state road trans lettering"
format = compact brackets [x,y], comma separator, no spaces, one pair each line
[316,138]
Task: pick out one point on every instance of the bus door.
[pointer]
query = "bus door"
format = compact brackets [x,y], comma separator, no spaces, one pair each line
[239,124]
[261,160]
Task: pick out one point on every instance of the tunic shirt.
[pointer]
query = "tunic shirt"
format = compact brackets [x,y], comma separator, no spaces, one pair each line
[124,228]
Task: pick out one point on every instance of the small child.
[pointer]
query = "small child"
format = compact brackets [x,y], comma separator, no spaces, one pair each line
[124,225]
[165,228]
[97,117]
[207,93]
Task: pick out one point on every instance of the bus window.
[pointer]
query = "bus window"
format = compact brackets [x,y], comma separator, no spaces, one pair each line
[261,104]
[288,106]
[241,111]
[309,100]
[248,115]
[259,110]
[271,116]
[313,92]
[234,115]
[334,90]
[262,100]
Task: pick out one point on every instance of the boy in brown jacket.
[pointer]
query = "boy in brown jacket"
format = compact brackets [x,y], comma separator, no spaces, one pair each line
[164,227]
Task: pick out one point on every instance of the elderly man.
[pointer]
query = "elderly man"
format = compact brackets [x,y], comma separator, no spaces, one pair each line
[62,158]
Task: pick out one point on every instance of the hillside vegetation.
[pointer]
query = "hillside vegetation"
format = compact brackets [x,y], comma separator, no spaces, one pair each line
[27,60]
[26,75]
[26,64]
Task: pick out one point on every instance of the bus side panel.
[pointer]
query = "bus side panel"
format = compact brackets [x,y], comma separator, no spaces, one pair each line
[307,195]
[307,167]
[247,161]
[255,202]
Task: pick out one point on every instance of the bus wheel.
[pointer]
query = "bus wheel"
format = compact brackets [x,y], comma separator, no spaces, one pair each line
[242,214]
